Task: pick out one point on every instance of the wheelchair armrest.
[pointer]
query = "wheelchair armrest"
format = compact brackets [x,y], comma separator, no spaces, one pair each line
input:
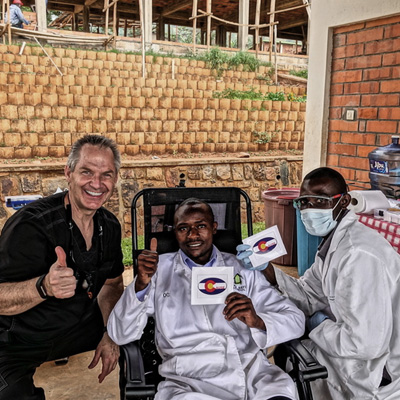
[134,373]
[309,368]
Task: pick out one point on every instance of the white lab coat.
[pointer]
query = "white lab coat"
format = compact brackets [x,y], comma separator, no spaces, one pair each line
[358,284]
[205,356]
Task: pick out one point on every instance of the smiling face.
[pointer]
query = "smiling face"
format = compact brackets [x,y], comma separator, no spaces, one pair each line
[194,230]
[93,179]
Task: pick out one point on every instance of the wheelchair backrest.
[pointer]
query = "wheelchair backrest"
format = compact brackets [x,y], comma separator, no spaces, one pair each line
[159,205]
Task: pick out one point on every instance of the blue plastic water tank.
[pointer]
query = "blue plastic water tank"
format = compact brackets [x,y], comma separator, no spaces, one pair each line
[384,169]
[307,246]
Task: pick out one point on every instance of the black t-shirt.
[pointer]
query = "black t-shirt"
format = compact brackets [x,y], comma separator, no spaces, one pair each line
[27,250]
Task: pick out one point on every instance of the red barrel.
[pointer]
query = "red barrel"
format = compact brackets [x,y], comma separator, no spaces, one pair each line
[279,210]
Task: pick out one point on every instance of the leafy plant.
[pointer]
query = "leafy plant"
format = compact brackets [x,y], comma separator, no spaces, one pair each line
[263,137]
[249,62]
[299,99]
[266,78]
[215,59]
[303,73]
[251,94]
[278,96]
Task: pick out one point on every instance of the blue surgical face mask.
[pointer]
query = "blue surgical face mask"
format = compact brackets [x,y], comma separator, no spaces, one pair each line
[317,221]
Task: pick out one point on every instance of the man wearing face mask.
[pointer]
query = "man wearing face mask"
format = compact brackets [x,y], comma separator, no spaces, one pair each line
[350,295]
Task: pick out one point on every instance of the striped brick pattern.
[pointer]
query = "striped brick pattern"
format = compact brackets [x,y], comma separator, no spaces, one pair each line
[365,77]
[42,112]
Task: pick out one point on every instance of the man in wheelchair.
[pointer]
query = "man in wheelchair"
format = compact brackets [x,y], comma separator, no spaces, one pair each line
[208,351]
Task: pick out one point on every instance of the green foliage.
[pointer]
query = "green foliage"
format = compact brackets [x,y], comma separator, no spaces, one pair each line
[251,94]
[257,227]
[266,78]
[220,61]
[278,96]
[215,59]
[184,34]
[299,99]
[303,73]
[126,246]
[249,62]
[263,137]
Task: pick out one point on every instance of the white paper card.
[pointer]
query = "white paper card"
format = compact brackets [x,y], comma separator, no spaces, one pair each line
[266,246]
[211,285]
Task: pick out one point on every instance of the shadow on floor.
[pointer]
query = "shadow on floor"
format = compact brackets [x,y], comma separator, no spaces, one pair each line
[74,381]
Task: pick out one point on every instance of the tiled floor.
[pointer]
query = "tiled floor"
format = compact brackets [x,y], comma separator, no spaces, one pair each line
[74,381]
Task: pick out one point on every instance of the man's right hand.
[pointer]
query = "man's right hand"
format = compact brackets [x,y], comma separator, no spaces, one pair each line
[147,266]
[60,281]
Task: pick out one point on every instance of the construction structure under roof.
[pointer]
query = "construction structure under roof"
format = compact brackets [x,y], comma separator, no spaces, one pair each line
[217,18]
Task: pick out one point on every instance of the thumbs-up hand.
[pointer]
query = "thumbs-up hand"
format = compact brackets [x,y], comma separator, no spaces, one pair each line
[147,266]
[60,282]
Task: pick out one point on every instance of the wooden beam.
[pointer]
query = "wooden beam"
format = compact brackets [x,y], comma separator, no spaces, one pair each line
[176,6]
[115,29]
[271,29]
[141,13]
[257,23]
[288,9]
[208,11]
[292,24]
[194,14]
[3,8]
[70,2]
[110,5]
[86,19]
[107,16]
[9,21]
[307,3]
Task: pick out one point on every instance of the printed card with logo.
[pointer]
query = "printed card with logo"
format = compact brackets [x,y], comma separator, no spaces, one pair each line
[266,246]
[211,285]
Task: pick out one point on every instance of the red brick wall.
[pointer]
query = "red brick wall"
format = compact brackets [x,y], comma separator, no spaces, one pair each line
[365,77]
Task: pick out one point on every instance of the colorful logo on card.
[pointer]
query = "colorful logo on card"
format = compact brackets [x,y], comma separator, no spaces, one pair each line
[212,286]
[264,245]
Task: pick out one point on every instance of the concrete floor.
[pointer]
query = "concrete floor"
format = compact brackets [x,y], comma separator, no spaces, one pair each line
[74,381]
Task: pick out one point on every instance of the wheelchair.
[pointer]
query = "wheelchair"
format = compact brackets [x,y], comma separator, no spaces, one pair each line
[139,360]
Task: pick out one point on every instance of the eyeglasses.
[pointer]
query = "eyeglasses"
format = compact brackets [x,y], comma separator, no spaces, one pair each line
[303,202]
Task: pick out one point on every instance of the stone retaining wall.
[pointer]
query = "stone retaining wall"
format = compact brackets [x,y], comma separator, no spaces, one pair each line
[254,175]
[172,110]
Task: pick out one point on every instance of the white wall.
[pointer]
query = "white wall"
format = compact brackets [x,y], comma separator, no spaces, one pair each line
[325,15]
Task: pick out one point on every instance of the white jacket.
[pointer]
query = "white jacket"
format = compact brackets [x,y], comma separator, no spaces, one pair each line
[358,284]
[204,355]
